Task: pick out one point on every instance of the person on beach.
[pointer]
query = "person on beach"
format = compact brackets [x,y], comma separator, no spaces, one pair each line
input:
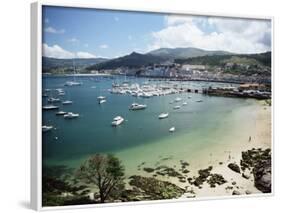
[250,138]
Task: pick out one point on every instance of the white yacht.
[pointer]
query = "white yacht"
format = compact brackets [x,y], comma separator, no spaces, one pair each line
[71,115]
[50,107]
[184,103]
[199,101]
[177,107]
[72,83]
[46,128]
[61,113]
[101,97]
[172,129]
[136,106]
[53,100]
[67,102]
[117,121]
[163,115]
[102,101]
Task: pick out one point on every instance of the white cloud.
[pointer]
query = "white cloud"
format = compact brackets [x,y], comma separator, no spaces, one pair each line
[73,40]
[53,30]
[84,55]
[56,51]
[103,46]
[234,35]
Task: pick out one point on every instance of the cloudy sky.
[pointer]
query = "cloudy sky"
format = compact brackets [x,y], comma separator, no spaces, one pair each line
[89,33]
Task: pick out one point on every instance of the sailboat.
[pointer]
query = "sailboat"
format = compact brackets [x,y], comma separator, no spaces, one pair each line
[74,82]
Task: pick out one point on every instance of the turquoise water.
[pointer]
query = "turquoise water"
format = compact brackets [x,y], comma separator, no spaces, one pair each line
[142,137]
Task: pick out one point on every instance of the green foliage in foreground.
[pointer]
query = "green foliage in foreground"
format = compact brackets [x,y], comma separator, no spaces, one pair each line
[103,171]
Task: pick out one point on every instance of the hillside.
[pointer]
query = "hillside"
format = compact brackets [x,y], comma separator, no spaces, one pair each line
[239,63]
[177,53]
[132,60]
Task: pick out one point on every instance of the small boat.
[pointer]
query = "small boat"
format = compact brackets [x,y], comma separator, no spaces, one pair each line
[102,101]
[172,129]
[50,107]
[177,107]
[163,115]
[189,97]
[71,115]
[117,121]
[72,83]
[53,100]
[101,97]
[184,103]
[61,93]
[61,113]
[199,101]
[67,102]
[46,128]
[136,106]
[178,99]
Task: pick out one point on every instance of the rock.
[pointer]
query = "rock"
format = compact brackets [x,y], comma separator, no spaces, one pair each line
[234,167]
[149,170]
[233,183]
[262,176]
[153,189]
[165,170]
[185,171]
[220,163]
[248,192]
[235,192]
[203,175]
[216,179]
[246,176]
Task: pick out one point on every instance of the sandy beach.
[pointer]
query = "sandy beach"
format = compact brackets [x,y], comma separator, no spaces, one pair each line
[258,136]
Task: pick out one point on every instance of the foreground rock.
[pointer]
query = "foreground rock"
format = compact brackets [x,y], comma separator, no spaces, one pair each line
[262,176]
[205,175]
[149,188]
[259,162]
[234,167]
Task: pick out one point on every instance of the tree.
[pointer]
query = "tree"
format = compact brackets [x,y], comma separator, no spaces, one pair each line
[103,171]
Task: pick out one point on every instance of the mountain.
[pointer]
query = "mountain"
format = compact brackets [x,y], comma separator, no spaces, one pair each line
[156,56]
[176,53]
[132,60]
[50,64]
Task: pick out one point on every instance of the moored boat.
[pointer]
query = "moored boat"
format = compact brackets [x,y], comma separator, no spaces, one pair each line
[71,115]
[46,128]
[136,106]
[50,107]
[163,115]
[172,129]
[117,121]
[67,102]
[61,113]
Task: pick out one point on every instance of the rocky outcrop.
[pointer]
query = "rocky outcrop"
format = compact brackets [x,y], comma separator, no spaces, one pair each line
[259,162]
[262,176]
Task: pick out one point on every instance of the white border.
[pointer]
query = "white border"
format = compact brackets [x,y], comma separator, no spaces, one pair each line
[36,102]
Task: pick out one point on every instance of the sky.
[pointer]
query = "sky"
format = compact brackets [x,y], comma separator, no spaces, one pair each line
[91,33]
